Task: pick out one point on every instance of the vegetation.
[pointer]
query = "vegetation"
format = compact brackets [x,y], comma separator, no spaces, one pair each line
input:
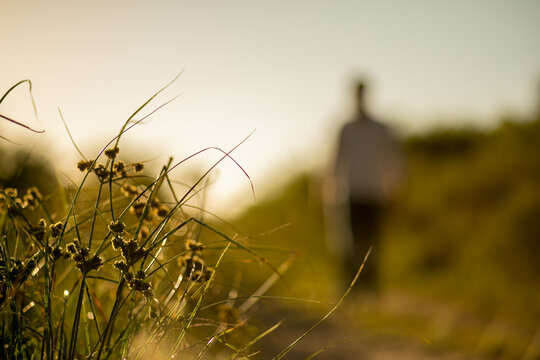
[464,235]
[123,264]
[463,239]
[116,265]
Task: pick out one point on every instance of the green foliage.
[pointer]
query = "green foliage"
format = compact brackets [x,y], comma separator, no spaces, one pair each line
[472,206]
[464,233]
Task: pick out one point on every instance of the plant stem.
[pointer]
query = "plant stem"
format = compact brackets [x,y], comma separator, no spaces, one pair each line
[108,329]
[76,319]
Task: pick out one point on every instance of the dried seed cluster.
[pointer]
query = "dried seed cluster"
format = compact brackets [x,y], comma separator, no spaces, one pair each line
[194,266]
[117,227]
[58,252]
[17,271]
[131,253]
[82,258]
[129,190]
[56,230]
[111,153]
[15,204]
[39,230]
[32,198]
[84,165]
[156,211]
[119,168]
[137,283]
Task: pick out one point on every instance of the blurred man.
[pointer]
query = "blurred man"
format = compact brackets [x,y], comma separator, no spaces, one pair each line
[367,174]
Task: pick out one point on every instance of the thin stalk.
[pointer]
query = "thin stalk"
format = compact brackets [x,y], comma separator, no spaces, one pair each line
[293,344]
[86,329]
[76,319]
[110,189]
[92,309]
[47,298]
[94,216]
[108,329]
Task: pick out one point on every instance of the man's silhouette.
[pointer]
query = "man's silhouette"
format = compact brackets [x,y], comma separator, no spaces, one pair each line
[367,174]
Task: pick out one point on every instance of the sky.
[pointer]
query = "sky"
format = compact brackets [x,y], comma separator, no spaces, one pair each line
[281,68]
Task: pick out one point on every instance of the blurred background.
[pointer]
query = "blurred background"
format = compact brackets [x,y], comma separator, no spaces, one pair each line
[458,83]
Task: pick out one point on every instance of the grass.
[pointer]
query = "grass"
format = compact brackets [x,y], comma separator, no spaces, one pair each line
[121,269]
[123,263]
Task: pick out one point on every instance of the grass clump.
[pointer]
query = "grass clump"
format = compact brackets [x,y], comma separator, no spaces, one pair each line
[117,272]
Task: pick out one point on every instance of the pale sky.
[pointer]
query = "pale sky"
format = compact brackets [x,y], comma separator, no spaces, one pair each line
[280,67]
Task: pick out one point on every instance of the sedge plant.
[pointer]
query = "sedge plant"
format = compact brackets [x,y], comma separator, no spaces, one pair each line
[117,272]
[120,272]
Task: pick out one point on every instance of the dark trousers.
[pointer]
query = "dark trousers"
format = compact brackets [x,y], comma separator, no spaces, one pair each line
[365,219]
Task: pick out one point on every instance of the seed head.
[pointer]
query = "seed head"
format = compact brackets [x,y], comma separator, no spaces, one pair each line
[32,198]
[95,263]
[193,245]
[119,166]
[141,286]
[39,230]
[208,273]
[137,208]
[16,207]
[162,211]
[117,242]
[111,153]
[11,192]
[117,227]
[192,263]
[57,253]
[56,229]
[138,167]
[197,276]
[120,169]
[84,251]
[140,275]
[34,192]
[129,190]
[71,248]
[144,232]
[101,172]
[121,265]
[84,165]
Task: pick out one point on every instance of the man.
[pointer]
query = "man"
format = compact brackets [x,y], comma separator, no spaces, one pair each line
[367,173]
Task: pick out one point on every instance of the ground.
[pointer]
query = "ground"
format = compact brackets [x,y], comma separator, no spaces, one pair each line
[370,331]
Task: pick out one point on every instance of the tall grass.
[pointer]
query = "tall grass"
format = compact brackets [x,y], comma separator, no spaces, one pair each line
[118,271]
[121,269]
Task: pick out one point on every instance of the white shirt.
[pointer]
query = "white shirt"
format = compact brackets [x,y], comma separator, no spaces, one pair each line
[368,165]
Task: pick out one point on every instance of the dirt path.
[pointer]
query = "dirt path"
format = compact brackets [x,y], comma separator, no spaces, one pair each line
[345,336]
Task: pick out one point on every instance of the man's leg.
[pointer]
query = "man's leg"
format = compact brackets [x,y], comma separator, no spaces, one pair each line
[365,220]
